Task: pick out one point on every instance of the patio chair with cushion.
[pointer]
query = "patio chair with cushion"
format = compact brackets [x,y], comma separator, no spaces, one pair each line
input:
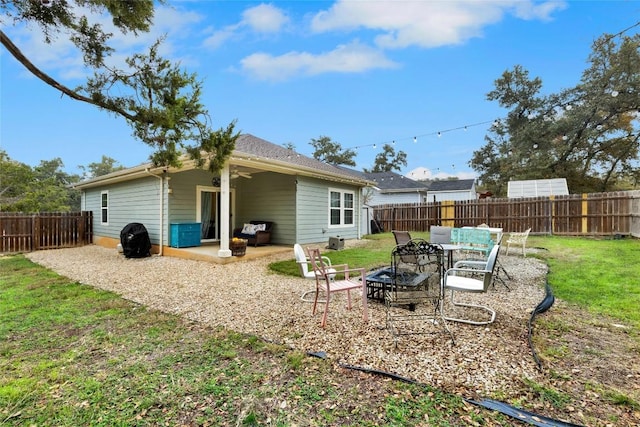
[256,232]
[327,281]
[471,276]
[518,239]
[306,270]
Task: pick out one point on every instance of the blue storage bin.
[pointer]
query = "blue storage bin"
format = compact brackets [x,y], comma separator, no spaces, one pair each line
[185,234]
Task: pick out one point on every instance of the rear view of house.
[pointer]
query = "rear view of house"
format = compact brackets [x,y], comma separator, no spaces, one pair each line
[306,200]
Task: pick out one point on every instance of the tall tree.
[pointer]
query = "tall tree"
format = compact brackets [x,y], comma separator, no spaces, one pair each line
[43,188]
[588,134]
[105,166]
[388,160]
[157,99]
[14,178]
[331,152]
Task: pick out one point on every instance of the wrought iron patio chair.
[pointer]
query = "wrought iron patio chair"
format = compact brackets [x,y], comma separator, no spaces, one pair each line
[413,299]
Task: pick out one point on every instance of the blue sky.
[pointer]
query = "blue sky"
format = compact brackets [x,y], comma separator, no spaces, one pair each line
[364,73]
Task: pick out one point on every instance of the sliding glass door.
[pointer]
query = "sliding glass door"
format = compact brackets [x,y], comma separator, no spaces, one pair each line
[208,210]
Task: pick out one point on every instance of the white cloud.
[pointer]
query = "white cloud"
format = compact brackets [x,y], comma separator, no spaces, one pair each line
[543,11]
[265,18]
[262,19]
[426,23]
[350,58]
[220,37]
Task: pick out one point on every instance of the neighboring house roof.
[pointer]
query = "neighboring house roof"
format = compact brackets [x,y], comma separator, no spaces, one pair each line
[538,187]
[390,182]
[252,154]
[452,185]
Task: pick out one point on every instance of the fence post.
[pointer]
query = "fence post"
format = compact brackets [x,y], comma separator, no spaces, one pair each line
[552,212]
[35,231]
[584,212]
[448,213]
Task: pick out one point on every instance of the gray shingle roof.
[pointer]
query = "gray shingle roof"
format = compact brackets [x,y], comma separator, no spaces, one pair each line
[256,150]
[254,146]
[389,180]
[452,185]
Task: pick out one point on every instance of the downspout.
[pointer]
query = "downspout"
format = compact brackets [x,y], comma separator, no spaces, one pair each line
[161,203]
[360,206]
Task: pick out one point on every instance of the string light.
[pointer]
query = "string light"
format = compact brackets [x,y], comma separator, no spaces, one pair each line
[438,134]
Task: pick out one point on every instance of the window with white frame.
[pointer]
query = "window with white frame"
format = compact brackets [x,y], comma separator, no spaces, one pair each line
[341,208]
[104,207]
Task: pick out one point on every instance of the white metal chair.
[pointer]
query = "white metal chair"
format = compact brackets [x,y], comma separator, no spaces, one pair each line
[518,239]
[471,276]
[306,270]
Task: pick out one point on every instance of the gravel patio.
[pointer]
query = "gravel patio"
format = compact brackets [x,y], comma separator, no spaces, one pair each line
[246,297]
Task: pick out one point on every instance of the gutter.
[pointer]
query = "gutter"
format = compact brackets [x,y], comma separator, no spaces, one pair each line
[161,203]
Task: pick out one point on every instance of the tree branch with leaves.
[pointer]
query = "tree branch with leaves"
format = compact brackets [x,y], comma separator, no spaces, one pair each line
[159,101]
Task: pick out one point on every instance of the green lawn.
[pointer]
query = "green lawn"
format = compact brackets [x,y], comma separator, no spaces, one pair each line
[601,275]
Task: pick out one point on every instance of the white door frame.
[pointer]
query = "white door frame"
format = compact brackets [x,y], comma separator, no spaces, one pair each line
[209,189]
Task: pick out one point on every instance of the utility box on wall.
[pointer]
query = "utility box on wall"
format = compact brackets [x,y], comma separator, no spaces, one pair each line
[336,243]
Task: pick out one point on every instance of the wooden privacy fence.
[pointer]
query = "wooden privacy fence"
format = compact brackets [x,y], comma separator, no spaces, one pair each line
[20,232]
[576,214]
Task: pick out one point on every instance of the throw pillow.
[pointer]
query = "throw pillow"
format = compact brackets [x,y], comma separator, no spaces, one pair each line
[261,227]
[248,229]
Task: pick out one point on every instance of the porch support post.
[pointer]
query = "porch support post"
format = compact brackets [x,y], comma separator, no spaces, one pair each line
[225,212]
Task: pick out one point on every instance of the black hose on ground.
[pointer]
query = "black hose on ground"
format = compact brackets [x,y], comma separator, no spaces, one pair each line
[544,305]
[503,408]
[521,414]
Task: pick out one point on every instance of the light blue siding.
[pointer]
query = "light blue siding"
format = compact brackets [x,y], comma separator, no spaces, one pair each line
[313,211]
[183,197]
[132,201]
